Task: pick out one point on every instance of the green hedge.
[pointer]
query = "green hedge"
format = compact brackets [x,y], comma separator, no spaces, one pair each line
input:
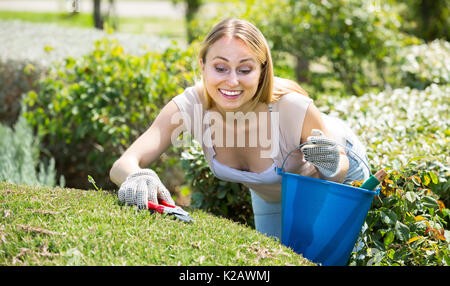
[28,49]
[16,78]
[88,110]
[406,133]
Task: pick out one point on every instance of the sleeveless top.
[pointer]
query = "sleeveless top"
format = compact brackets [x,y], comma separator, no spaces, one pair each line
[287,116]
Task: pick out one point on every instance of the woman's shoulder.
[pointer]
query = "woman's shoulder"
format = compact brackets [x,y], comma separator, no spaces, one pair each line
[198,89]
[191,92]
[293,99]
[189,98]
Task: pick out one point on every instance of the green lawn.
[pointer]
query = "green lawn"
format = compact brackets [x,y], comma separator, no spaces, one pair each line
[172,28]
[57,226]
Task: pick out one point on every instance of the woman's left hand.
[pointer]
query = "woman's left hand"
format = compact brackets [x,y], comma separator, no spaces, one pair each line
[323,153]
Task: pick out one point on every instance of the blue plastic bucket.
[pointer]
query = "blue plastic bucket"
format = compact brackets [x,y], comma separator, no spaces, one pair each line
[321,219]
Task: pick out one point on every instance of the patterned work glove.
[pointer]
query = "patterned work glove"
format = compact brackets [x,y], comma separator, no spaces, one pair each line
[141,187]
[323,153]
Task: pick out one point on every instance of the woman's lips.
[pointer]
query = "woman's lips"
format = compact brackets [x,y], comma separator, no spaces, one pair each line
[230,94]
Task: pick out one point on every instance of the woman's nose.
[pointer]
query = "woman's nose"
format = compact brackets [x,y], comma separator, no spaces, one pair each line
[232,79]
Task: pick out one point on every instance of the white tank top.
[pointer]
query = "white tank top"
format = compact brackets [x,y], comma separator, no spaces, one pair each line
[225,173]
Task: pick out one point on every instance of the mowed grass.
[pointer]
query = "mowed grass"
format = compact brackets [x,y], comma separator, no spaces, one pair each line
[169,28]
[60,226]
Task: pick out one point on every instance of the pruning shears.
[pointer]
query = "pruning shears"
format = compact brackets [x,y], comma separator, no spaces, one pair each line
[166,208]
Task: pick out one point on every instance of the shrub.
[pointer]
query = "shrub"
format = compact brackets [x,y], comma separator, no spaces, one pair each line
[16,78]
[19,157]
[400,127]
[89,109]
[29,49]
[425,64]
[407,223]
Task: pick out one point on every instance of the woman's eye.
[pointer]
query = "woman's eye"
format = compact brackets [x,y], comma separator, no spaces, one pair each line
[245,71]
[221,69]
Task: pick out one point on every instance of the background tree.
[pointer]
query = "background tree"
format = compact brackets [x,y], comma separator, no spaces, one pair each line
[109,15]
[192,7]
[427,19]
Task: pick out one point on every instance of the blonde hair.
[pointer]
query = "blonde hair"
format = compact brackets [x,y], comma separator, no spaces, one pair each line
[269,88]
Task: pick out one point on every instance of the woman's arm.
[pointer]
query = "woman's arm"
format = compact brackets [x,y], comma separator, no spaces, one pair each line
[148,147]
[313,120]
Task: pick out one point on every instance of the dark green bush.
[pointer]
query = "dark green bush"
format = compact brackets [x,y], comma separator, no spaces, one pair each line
[89,109]
[16,78]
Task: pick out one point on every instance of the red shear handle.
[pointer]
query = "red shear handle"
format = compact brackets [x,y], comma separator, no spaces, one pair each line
[164,203]
[156,207]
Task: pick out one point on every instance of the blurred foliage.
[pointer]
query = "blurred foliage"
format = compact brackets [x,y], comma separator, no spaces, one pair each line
[16,78]
[402,127]
[422,65]
[19,157]
[29,49]
[192,8]
[427,19]
[89,109]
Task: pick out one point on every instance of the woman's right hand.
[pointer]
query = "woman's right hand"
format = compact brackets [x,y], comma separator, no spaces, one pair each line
[143,186]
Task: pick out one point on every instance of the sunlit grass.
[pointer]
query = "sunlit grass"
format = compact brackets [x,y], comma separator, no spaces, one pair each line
[169,28]
[56,226]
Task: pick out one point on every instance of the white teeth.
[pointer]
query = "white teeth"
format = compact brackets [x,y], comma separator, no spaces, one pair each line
[230,93]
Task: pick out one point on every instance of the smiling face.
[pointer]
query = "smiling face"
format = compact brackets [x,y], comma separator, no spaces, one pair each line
[231,74]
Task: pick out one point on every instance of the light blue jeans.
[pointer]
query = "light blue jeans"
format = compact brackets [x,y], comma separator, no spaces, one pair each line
[268,215]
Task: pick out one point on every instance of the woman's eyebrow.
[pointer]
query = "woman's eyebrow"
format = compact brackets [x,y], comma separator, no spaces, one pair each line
[241,61]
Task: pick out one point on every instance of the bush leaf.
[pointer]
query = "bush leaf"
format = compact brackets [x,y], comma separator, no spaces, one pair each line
[401,231]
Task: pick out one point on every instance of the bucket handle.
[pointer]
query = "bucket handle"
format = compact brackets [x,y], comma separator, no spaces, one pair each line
[345,147]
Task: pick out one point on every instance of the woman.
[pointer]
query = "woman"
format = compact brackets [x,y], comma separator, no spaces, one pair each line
[239,94]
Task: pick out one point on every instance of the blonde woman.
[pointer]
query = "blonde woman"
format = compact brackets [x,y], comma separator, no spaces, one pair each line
[247,121]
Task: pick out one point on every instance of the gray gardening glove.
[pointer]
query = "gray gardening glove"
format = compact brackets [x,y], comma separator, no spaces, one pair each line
[141,187]
[323,153]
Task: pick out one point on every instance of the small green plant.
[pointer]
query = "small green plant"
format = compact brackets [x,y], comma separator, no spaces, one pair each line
[19,157]
[92,181]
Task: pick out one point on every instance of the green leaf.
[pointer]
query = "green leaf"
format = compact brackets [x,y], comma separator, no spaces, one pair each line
[222,193]
[430,202]
[426,180]
[401,231]
[389,238]
[434,177]
[388,217]
[416,181]
[411,196]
